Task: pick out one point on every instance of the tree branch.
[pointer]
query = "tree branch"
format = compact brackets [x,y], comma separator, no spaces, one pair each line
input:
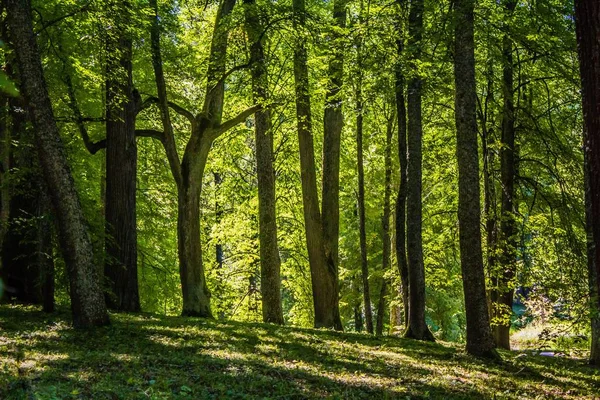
[151,133]
[174,106]
[238,119]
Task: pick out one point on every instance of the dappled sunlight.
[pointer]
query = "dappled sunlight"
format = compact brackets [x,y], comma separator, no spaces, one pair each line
[145,356]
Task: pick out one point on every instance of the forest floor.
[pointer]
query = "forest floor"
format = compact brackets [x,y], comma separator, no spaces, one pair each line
[150,357]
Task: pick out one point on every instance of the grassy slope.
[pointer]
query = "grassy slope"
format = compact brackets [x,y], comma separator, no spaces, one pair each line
[143,356]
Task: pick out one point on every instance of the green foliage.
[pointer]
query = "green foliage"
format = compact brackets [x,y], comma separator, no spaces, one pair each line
[551,245]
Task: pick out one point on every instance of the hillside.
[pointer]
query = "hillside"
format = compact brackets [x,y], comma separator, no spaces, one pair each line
[150,357]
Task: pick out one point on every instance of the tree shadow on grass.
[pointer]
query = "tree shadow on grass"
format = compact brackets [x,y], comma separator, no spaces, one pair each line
[141,356]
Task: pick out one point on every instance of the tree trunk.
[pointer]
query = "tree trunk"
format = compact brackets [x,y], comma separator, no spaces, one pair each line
[270,263]
[323,276]
[587,21]
[333,122]
[87,300]
[417,327]
[400,222]
[387,239]
[120,269]
[479,337]
[5,192]
[361,210]
[196,296]
[502,279]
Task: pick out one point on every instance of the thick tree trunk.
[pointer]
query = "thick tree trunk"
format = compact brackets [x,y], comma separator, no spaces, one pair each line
[196,296]
[120,269]
[400,222]
[270,263]
[479,337]
[333,121]
[587,21]
[87,300]
[323,276]
[417,327]
[361,211]
[502,279]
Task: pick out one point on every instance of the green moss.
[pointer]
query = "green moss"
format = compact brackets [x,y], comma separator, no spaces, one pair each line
[144,356]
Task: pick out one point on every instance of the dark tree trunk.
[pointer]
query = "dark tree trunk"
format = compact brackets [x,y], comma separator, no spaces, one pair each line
[417,327]
[270,263]
[323,276]
[400,222]
[361,209]
[5,192]
[44,256]
[587,21]
[358,320]
[387,239]
[120,269]
[87,300]
[504,274]
[489,207]
[479,336]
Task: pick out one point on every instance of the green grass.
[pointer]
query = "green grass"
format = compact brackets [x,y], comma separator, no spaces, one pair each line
[148,357]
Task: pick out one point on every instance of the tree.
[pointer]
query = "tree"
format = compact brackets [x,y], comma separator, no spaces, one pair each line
[400,207]
[479,337]
[322,262]
[587,21]
[504,274]
[386,237]
[364,261]
[87,301]
[206,127]
[416,327]
[270,263]
[120,267]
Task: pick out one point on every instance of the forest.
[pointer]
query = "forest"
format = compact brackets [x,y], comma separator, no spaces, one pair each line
[299,199]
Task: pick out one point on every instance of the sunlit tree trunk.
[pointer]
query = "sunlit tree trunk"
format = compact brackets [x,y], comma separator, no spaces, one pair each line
[87,301]
[270,263]
[323,273]
[479,336]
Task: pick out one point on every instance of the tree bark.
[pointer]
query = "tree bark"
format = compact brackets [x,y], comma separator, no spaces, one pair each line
[323,273]
[400,223]
[504,274]
[361,198]
[417,327]
[120,269]
[587,22]
[270,263]
[87,301]
[479,337]
[387,239]
[333,121]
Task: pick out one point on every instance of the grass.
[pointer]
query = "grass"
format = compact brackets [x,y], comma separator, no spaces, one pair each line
[143,356]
